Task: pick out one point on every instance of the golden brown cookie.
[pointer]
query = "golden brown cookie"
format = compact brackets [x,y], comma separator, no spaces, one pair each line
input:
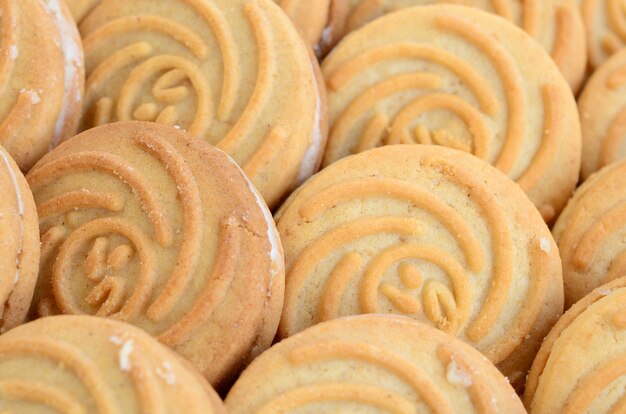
[591,233]
[605,21]
[321,21]
[581,367]
[373,364]
[235,73]
[461,78]
[19,244]
[82,364]
[81,8]
[428,232]
[146,224]
[602,107]
[41,77]
[556,24]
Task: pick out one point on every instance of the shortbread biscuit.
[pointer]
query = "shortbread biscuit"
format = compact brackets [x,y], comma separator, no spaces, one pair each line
[81,8]
[82,364]
[42,76]
[581,367]
[428,232]
[556,24]
[374,364]
[19,244]
[591,233]
[235,73]
[605,22]
[462,78]
[602,107]
[147,224]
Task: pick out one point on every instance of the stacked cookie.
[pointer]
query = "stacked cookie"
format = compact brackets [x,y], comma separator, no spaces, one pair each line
[262,206]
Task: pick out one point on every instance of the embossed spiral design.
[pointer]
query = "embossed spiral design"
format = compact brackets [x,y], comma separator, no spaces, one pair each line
[139,238]
[385,244]
[605,21]
[192,72]
[417,90]
[60,373]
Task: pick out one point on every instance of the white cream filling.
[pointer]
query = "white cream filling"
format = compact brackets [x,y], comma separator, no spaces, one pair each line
[20,207]
[73,60]
[309,160]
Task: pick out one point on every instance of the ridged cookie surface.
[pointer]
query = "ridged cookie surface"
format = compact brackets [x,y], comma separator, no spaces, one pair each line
[427,232]
[148,225]
[605,22]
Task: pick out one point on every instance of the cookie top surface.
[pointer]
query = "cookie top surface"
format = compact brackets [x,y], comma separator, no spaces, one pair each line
[602,107]
[462,78]
[19,244]
[605,22]
[83,364]
[81,8]
[372,364]
[41,70]
[428,232]
[590,233]
[147,224]
[235,73]
[581,367]
[556,24]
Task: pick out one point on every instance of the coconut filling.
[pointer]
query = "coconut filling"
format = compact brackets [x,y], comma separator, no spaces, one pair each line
[311,155]
[72,54]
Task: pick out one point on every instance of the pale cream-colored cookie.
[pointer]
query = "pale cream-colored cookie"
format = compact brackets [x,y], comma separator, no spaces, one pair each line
[462,78]
[428,232]
[372,364]
[146,224]
[41,77]
[556,24]
[19,244]
[581,367]
[591,233]
[602,107]
[83,364]
[605,21]
[235,73]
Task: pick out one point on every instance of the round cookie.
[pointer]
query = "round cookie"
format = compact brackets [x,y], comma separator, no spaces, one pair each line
[581,367]
[321,22]
[374,364]
[41,77]
[462,78]
[556,24]
[82,364]
[81,8]
[591,233]
[602,107]
[144,223]
[19,244]
[235,73]
[605,21]
[428,232]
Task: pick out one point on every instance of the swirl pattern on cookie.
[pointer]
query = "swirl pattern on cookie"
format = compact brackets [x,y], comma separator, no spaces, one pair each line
[362,364]
[41,77]
[216,68]
[602,108]
[19,244]
[590,233]
[556,24]
[427,232]
[581,366]
[460,78]
[144,224]
[82,364]
[605,21]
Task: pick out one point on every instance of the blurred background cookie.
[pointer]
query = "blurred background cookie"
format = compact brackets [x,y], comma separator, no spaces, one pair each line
[81,8]
[591,233]
[375,363]
[82,364]
[19,244]
[556,24]
[428,232]
[148,225]
[235,73]
[42,76]
[581,367]
[461,78]
[602,107]
[605,22]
